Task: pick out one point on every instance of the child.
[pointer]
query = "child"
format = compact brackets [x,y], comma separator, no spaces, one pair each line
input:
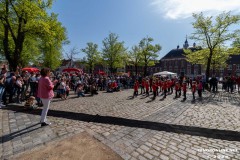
[135,88]
[143,86]
[19,84]
[79,90]
[154,88]
[184,89]
[194,89]
[177,87]
[62,89]
[200,87]
[164,87]
[147,87]
[29,104]
[67,89]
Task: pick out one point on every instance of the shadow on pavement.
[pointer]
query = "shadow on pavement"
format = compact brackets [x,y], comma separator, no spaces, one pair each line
[173,128]
[9,137]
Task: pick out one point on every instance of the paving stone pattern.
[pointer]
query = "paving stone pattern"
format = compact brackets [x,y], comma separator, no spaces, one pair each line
[136,128]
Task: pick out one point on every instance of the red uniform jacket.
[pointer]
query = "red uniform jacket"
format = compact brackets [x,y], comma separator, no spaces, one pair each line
[135,87]
[164,85]
[193,88]
[147,86]
[154,87]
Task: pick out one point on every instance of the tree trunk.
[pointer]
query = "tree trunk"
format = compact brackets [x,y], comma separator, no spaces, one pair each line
[145,70]
[136,69]
[90,69]
[208,66]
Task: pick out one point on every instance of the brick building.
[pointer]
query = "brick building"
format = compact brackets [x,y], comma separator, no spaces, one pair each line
[233,67]
[175,61]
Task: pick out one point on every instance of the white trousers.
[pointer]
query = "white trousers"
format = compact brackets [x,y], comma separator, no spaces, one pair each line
[46,104]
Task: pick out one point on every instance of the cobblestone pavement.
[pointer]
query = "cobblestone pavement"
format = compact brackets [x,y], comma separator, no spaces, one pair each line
[134,128]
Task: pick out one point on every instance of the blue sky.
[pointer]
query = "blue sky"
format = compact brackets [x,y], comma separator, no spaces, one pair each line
[166,21]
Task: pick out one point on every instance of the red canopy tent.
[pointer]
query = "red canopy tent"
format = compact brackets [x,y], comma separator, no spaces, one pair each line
[30,69]
[72,70]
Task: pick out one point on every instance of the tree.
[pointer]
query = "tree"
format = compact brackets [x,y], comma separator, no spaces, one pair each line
[92,55]
[26,22]
[113,52]
[148,52]
[135,58]
[213,35]
[71,55]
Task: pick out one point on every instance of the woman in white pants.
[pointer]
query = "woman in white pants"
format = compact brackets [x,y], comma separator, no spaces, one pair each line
[45,92]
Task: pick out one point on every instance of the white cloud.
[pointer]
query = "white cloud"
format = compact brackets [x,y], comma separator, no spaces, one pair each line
[180,9]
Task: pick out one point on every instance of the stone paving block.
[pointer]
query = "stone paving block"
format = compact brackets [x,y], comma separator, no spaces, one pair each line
[164,157]
[130,142]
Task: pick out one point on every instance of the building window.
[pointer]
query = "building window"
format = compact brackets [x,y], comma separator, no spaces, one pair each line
[238,67]
[182,63]
[229,67]
[176,63]
[221,70]
[189,71]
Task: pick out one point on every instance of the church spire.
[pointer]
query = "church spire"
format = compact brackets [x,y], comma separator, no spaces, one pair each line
[186,45]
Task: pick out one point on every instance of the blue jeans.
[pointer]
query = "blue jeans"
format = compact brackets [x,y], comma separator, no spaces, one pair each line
[81,94]
[2,88]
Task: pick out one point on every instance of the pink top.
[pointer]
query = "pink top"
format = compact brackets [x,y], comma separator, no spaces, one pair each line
[45,88]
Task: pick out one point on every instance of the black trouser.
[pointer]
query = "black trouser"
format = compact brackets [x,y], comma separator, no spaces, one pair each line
[142,90]
[200,93]
[184,94]
[176,93]
[165,93]
[135,93]
[147,92]
[193,93]
[154,94]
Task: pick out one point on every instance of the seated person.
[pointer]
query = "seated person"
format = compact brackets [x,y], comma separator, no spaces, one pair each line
[93,89]
[29,104]
[115,86]
[80,91]
[109,88]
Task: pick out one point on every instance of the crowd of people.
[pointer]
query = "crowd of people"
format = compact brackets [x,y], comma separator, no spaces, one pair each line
[19,86]
[179,86]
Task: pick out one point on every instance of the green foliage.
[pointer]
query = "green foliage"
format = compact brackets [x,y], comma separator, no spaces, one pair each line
[113,52]
[92,55]
[219,57]
[212,34]
[28,33]
[148,52]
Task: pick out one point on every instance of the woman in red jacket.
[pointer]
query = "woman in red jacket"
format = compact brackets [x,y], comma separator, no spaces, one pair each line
[45,92]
